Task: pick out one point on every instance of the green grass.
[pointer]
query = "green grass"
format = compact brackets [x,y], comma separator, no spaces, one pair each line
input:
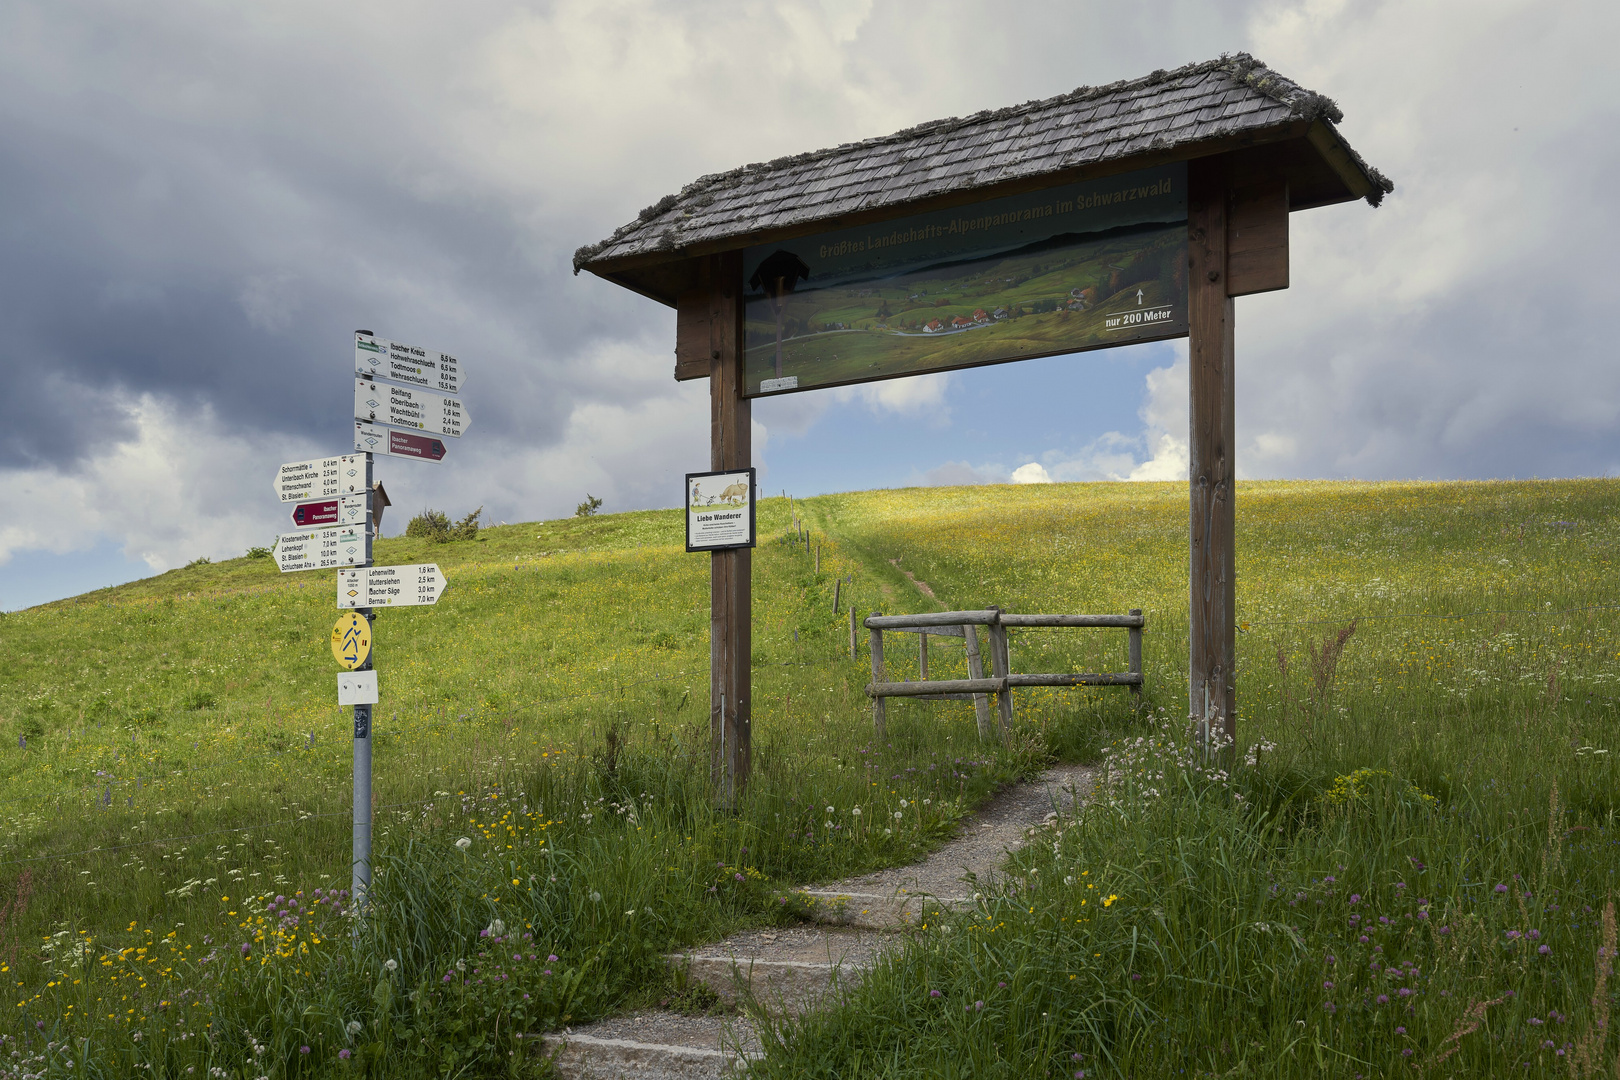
[185,765]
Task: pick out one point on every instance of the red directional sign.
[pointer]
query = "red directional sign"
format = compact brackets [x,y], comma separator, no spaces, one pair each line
[310,514]
[380,440]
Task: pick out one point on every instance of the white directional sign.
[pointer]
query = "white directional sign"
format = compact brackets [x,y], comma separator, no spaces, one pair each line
[401,406]
[390,586]
[321,478]
[323,549]
[357,688]
[379,358]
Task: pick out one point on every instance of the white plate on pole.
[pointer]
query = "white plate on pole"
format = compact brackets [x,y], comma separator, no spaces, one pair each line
[379,358]
[357,688]
[321,478]
[402,406]
[390,586]
[323,549]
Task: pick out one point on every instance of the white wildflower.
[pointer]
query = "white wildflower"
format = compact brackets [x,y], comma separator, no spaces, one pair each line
[464,843]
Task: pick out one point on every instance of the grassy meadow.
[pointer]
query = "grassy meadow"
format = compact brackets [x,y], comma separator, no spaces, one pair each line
[1405,864]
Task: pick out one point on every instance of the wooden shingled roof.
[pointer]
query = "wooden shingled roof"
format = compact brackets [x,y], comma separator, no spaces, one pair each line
[1265,123]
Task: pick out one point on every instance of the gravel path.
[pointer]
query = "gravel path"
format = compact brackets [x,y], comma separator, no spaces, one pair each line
[987,836]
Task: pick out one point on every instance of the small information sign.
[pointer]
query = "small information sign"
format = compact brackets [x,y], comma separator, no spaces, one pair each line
[369,438]
[357,688]
[720,510]
[321,478]
[323,549]
[401,406]
[390,586]
[379,358]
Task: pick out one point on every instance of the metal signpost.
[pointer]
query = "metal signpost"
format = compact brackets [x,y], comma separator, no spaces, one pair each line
[338,506]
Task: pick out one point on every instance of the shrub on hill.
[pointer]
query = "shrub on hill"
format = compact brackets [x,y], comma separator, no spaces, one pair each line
[436,526]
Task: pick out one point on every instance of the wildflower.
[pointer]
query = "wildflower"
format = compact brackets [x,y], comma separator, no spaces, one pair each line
[390,964]
[353,1028]
[830,810]
[552,959]
[1400,1031]
[464,843]
[898,815]
[933,993]
[856,812]
[596,897]
[303,1049]
[344,1054]
[1382,999]
[1355,898]
[1501,888]
[1544,950]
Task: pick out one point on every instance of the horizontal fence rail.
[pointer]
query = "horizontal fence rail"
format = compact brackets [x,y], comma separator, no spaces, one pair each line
[1001,682]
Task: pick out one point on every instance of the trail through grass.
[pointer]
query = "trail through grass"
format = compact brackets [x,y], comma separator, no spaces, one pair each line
[175,807]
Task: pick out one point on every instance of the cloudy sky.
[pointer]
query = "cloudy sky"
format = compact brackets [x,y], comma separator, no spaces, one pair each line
[200,202]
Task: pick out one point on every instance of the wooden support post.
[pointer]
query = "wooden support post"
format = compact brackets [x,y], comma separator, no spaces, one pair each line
[981,704]
[1212,643]
[1135,665]
[878,716]
[730,572]
[853,644]
[838,585]
[818,558]
[999,667]
[922,654]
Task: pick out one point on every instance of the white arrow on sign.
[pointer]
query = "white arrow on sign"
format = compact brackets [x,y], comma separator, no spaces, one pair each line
[390,586]
[379,358]
[321,478]
[323,549]
[400,406]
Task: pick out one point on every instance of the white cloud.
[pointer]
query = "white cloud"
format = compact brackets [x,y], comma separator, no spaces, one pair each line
[911,396]
[1031,473]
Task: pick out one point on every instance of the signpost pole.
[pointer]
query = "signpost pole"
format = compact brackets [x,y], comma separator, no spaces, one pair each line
[730,571]
[1212,640]
[361,884]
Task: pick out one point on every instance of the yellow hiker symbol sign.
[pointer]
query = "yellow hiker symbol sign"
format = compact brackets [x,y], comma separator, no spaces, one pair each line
[351,640]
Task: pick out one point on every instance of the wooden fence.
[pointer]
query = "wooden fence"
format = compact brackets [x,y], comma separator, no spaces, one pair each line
[1001,681]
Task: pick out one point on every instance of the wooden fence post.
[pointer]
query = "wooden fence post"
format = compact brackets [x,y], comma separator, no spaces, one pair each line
[922,654]
[1136,657]
[854,648]
[1212,643]
[999,665]
[876,637]
[981,704]
[730,572]
[838,585]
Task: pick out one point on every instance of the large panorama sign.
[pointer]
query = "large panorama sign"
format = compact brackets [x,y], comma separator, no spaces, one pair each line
[1064,269]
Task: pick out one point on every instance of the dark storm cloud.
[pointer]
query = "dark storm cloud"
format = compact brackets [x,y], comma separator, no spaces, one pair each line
[216,244]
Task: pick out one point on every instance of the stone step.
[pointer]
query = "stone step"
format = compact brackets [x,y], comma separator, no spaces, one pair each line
[788,967]
[878,910]
[653,1045]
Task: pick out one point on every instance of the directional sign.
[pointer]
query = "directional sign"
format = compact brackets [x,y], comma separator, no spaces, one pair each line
[321,478]
[323,549]
[401,406]
[351,640]
[378,358]
[390,586]
[369,438]
[349,510]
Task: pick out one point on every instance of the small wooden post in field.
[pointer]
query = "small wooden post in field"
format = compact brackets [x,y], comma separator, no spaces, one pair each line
[853,649]
[1000,668]
[1135,666]
[838,585]
[877,677]
[922,653]
[981,704]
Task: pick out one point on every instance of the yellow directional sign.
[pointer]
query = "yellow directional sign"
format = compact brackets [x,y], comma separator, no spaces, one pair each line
[351,640]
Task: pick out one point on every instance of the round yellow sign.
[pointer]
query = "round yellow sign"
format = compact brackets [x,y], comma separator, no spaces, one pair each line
[351,640]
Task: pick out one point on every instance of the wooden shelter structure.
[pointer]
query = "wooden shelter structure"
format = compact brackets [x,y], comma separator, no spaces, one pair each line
[1255,145]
